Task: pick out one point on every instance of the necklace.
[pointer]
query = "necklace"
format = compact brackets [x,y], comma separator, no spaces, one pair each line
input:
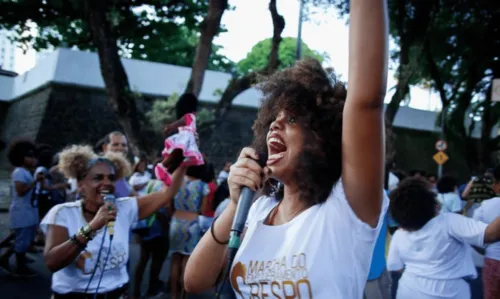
[274,212]
[84,210]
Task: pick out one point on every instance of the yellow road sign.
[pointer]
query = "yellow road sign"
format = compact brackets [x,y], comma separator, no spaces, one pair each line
[440,158]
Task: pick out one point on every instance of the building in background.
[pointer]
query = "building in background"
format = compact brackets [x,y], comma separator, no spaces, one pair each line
[7,51]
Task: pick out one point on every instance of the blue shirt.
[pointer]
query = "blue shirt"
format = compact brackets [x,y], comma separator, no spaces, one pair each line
[378,260]
[122,188]
[22,211]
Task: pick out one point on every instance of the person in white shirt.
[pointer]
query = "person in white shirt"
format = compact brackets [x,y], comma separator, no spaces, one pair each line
[79,248]
[224,173]
[447,195]
[432,249]
[488,212]
[313,233]
[140,177]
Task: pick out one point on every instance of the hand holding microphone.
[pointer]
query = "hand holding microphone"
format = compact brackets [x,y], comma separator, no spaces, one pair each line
[245,178]
[106,215]
[246,172]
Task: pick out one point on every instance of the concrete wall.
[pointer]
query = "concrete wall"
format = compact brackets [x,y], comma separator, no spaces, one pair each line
[24,118]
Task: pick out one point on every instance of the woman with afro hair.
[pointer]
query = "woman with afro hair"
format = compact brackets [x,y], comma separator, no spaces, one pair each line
[23,210]
[84,258]
[431,248]
[313,232]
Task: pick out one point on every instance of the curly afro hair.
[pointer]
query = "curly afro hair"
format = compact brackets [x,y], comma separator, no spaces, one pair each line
[19,149]
[74,162]
[316,100]
[413,204]
[187,103]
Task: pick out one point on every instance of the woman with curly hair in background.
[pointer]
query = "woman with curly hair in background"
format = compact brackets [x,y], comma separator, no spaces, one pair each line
[313,233]
[23,210]
[78,250]
[431,248]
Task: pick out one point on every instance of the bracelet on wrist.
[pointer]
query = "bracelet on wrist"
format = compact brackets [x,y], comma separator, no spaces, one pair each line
[79,244]
[87,233]
[212,232]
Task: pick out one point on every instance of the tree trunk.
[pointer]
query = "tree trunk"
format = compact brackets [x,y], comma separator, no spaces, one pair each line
[239,85]
[402,87]
[209,28]
[410,30]
[113,73]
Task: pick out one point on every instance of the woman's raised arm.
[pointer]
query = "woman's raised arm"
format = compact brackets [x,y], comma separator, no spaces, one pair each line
[363,148]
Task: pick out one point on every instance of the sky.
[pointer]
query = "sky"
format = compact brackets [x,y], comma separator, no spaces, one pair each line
[250,22]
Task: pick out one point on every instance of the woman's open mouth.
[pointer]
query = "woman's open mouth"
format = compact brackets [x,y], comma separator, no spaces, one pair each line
[105,191]
[277,149]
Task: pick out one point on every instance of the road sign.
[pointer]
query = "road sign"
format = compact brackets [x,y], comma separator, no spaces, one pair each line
[495,90]
[440,158]
[441,145]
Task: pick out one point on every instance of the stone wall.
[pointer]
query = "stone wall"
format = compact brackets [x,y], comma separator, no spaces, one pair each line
[23,119]
[61,115]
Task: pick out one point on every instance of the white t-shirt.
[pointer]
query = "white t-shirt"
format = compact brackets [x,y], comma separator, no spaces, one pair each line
[450,202]
[75,277]
[439,250]
[325,252]
[487,212]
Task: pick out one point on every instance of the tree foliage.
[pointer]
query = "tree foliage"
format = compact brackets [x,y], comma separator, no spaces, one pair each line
[160,31]
[453,47]
[163,112]
[257,58]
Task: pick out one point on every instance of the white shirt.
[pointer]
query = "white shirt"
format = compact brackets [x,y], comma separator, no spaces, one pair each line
[223,175]
[450,202]
[393,181]
[75,277]
[487,212]
[325,252]
[439,250]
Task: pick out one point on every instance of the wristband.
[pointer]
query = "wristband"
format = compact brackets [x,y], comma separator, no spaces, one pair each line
[79,244]
[87,233]
[212,232]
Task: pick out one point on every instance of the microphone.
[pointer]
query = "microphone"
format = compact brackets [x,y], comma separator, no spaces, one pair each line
[111,224]
[240,218]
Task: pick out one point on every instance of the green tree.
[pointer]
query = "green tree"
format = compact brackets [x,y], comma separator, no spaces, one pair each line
[461,60]
[163,112]
[408,25]
[257,58]
[113,28]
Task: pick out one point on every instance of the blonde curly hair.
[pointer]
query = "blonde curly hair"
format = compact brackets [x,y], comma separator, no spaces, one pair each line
[74,162]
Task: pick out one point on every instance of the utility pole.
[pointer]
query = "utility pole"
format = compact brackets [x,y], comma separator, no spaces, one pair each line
[443,112]
[298,53]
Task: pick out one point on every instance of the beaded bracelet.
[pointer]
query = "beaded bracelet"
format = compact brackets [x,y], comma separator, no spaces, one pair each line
[212,232]
[79,244]
[86,233]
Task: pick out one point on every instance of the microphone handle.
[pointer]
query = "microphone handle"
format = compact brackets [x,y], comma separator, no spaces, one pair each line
[240,218]
[111,228]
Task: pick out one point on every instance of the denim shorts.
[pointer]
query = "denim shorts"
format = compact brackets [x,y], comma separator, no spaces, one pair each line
[24,238]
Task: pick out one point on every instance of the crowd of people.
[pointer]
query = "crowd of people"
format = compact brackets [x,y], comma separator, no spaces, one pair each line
[61,196]
[329,221]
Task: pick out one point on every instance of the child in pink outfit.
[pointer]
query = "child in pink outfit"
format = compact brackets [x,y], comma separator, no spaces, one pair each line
[181,148]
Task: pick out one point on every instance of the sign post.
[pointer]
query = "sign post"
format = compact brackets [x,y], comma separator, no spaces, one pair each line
[441,157]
